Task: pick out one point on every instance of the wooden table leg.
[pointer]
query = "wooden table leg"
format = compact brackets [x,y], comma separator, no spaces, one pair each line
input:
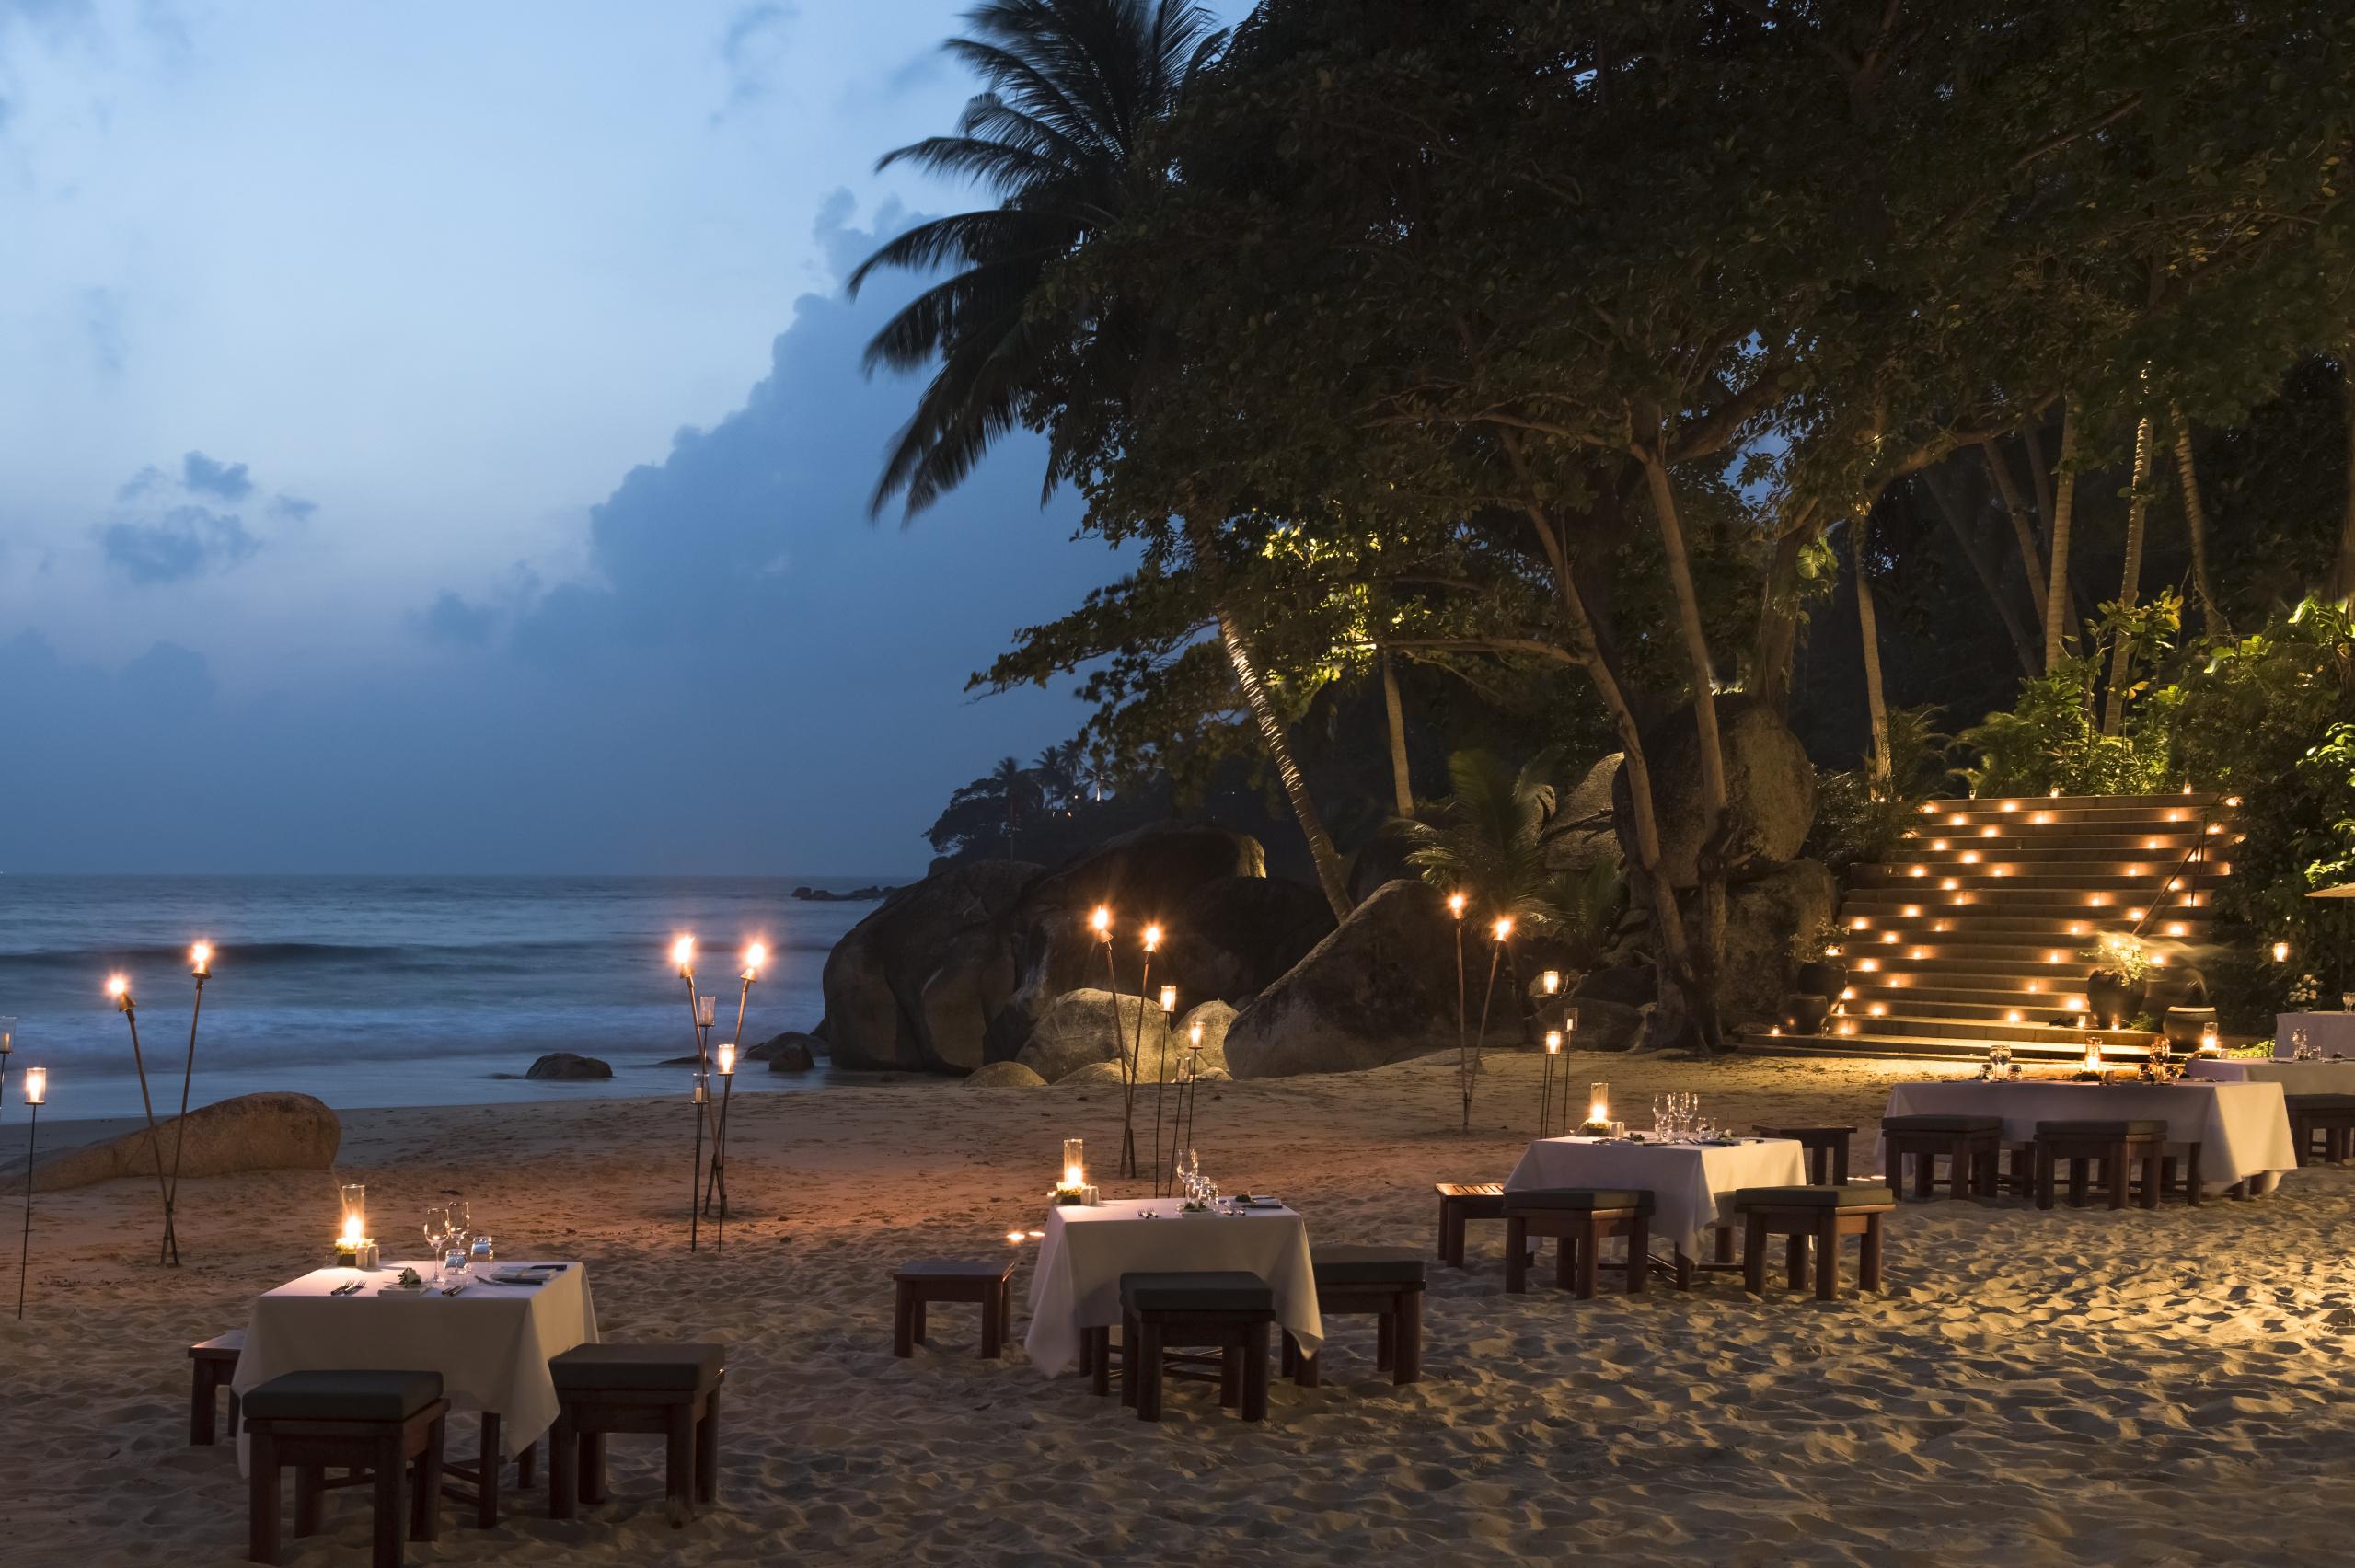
[1255,1349]
[678,1464]
[1828,1256]
[563,1467]
[391,1513]
[486,1481]
[1407,1363]
[1517,1255]
[592,1466]
[707,1450]
[1639,1254]
[1754,1254]
[425,1486]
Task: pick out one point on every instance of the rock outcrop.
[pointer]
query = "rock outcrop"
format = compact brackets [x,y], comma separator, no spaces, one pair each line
[565,1067]
[251,1132]
[1381,988]
[1761,914]
[1587,816]
[1077,1028]
[1003,1075]
[1768,777]
[1215,1019]
[911,985]
[1234,936]
[1094,1073]
[786,1053]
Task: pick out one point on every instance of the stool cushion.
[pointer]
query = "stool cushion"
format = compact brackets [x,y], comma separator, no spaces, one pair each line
[343,1396]
[2134,1129]
[220,1347]
[1855,1195]
[1942,1124]
[1210,1290]
[1366,1265]
[956,1268]
[2321,1102]
[1577,1198]
[586,1368]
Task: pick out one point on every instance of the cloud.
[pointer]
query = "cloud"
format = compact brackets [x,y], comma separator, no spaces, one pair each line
[187,542]
[450,618]
[751,46]
[222,481]
[292,508]
[102,329]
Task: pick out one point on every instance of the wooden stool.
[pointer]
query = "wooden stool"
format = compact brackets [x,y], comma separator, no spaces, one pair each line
[1228,1310]
[1972,1146]
[670,1390]
[2114,1144]
[372,1425]
[1579,1217]
[2186,1159]
[1463,1201]
[2332,1116]
[1826,1148]
[1822,1215]
[211,1363]
[986,1280]
[481,1477]
[1385,1281]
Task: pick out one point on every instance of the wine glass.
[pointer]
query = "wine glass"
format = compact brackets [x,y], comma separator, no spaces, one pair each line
[437,1229]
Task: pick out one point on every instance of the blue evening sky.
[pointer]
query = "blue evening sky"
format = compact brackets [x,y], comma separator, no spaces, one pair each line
[431,438]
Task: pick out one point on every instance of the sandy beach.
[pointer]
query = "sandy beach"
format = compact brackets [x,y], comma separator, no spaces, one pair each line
[2059,1387]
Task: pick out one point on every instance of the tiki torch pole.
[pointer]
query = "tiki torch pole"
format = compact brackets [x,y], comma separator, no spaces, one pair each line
[1134,1063]
[1463,1034]
[199,964]
[1161,1079]
[120,989]
[36,1096]
[682,954]
[1100,924]
[1504,930]
[717,1180]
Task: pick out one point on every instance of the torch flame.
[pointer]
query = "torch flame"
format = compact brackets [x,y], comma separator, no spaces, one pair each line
[1101,921]
[1152,937]
[755,957]
[1504,926]
[683,953]
[1455,905]
[199,958]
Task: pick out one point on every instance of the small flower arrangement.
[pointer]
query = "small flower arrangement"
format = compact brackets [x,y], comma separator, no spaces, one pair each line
[2118,953]
[1815,943]
[2305,992]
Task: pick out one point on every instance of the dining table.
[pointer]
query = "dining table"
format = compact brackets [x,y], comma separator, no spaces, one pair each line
[1693,1182]
[2295,1077]
[1075,1281]
[490,1342]
[2243,1129]
[2332,1034]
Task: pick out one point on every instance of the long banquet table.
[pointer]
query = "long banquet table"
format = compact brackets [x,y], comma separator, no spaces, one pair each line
[1075,1284]
[2295,1077]
[2243,1128]
[1692,1184]
[490,1343]
[2329,1033]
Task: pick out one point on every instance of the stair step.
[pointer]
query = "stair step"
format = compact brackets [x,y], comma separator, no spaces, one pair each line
[1903,1046]
[2044,880]
[1983,1030]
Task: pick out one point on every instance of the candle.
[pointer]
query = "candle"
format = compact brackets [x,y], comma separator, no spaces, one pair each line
[353,1200]
[7,1037]
[2093,1055]
[1101,923]
[1075,1164]
[2209,1045]
[1169,998]
[36,1088]
[727,1058]
[199,960]
[2281,953]
[1599,1107]
[1551,980]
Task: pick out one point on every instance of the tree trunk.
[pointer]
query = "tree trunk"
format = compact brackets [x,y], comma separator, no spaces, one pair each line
[1876,710]
[2024,647]
[1401,783]
[1330,876]
[2195,523]
[1716,824]
[2023,532]
[2343,571]
[1778,617]
[2042,477]
[2064,505]
[2137,512]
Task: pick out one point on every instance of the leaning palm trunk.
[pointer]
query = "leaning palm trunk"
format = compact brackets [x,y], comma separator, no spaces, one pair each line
[2023,531]
[2137,512]
[2064,507]
[2343,571]
[1876,706]
[2195,523]
[1279,752]
[1402,783]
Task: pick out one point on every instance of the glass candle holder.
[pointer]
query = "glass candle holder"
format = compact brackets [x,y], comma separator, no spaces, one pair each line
[36,1085]
[1075,1162]
[1599,1102]
[7,1037]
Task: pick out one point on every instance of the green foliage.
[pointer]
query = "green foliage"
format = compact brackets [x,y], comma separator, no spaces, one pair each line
[1490,836]
[1859,818]
[1580,910]
[2049,739]
[1813,943]
[2116,953]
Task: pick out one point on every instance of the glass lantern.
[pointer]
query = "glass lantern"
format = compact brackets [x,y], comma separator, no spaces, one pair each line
[1075,1164]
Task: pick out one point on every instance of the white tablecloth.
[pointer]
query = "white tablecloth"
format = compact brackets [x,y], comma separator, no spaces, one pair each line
[1692,1184]
[2295,1077]
[1075,1282]
[2243,1128]
[490,1344]
[2325,1031]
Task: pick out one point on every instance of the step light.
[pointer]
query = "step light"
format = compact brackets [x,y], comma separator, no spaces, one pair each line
[2011,805]
[1938,845]
[1911,911]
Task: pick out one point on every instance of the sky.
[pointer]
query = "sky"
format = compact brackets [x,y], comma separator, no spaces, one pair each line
[433,438]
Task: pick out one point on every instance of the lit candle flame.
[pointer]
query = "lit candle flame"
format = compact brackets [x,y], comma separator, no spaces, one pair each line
[755,957]
[1169,998]
[36,1085]
[1195,1035]
[1015,1237]
[1553,981]
[2281,953]
[1455,905]
[1554,1041]
[727,1058]
[199,958]
[350,1238]
[1075,1176]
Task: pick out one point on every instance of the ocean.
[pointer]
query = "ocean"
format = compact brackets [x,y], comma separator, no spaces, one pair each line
[375,991]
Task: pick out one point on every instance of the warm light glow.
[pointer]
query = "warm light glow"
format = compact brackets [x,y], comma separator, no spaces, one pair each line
[1937,844]
[2052,957]
[2013,1016]
[1878,1010]
[2209,1045]
[1599,1102]
[199,958]
[2055,794]
[1777,1029]
[1912,911]
[2216,827]
[1859,924]
[727,1058]
[1015,1237]
[682,954]
[1987,832]
[1551,980]
[1152,938]
[2093,1055]
[1868,964]
[2136,914]
[756,957]
[350,1238]
[1101,922]
[1848,993]
[1504,926]
[1553,1042]
[2042,819]
[117,986]
[2178,928]
[1946,885]
[1958,819]
[2231,800]
[2011,805]
[1194,1036]
[1888,936]
[1075,1162]
[1169,998]
[2281,953]
[36,1085]
[1916,871]
[1455,905]
[1970,858]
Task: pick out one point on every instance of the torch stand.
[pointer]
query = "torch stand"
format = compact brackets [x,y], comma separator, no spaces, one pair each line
[25,1248]
[180,1129]
[169,1252]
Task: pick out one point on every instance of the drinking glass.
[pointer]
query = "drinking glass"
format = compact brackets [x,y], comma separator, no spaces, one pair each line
[2345,1004]
[437,1229]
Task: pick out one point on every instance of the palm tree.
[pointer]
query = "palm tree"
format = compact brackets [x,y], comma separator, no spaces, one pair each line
[1018,787]
[1492,836]
[1057,771]
[1070,89]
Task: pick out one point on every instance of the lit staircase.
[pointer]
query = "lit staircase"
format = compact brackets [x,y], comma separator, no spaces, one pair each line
[1972,934]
